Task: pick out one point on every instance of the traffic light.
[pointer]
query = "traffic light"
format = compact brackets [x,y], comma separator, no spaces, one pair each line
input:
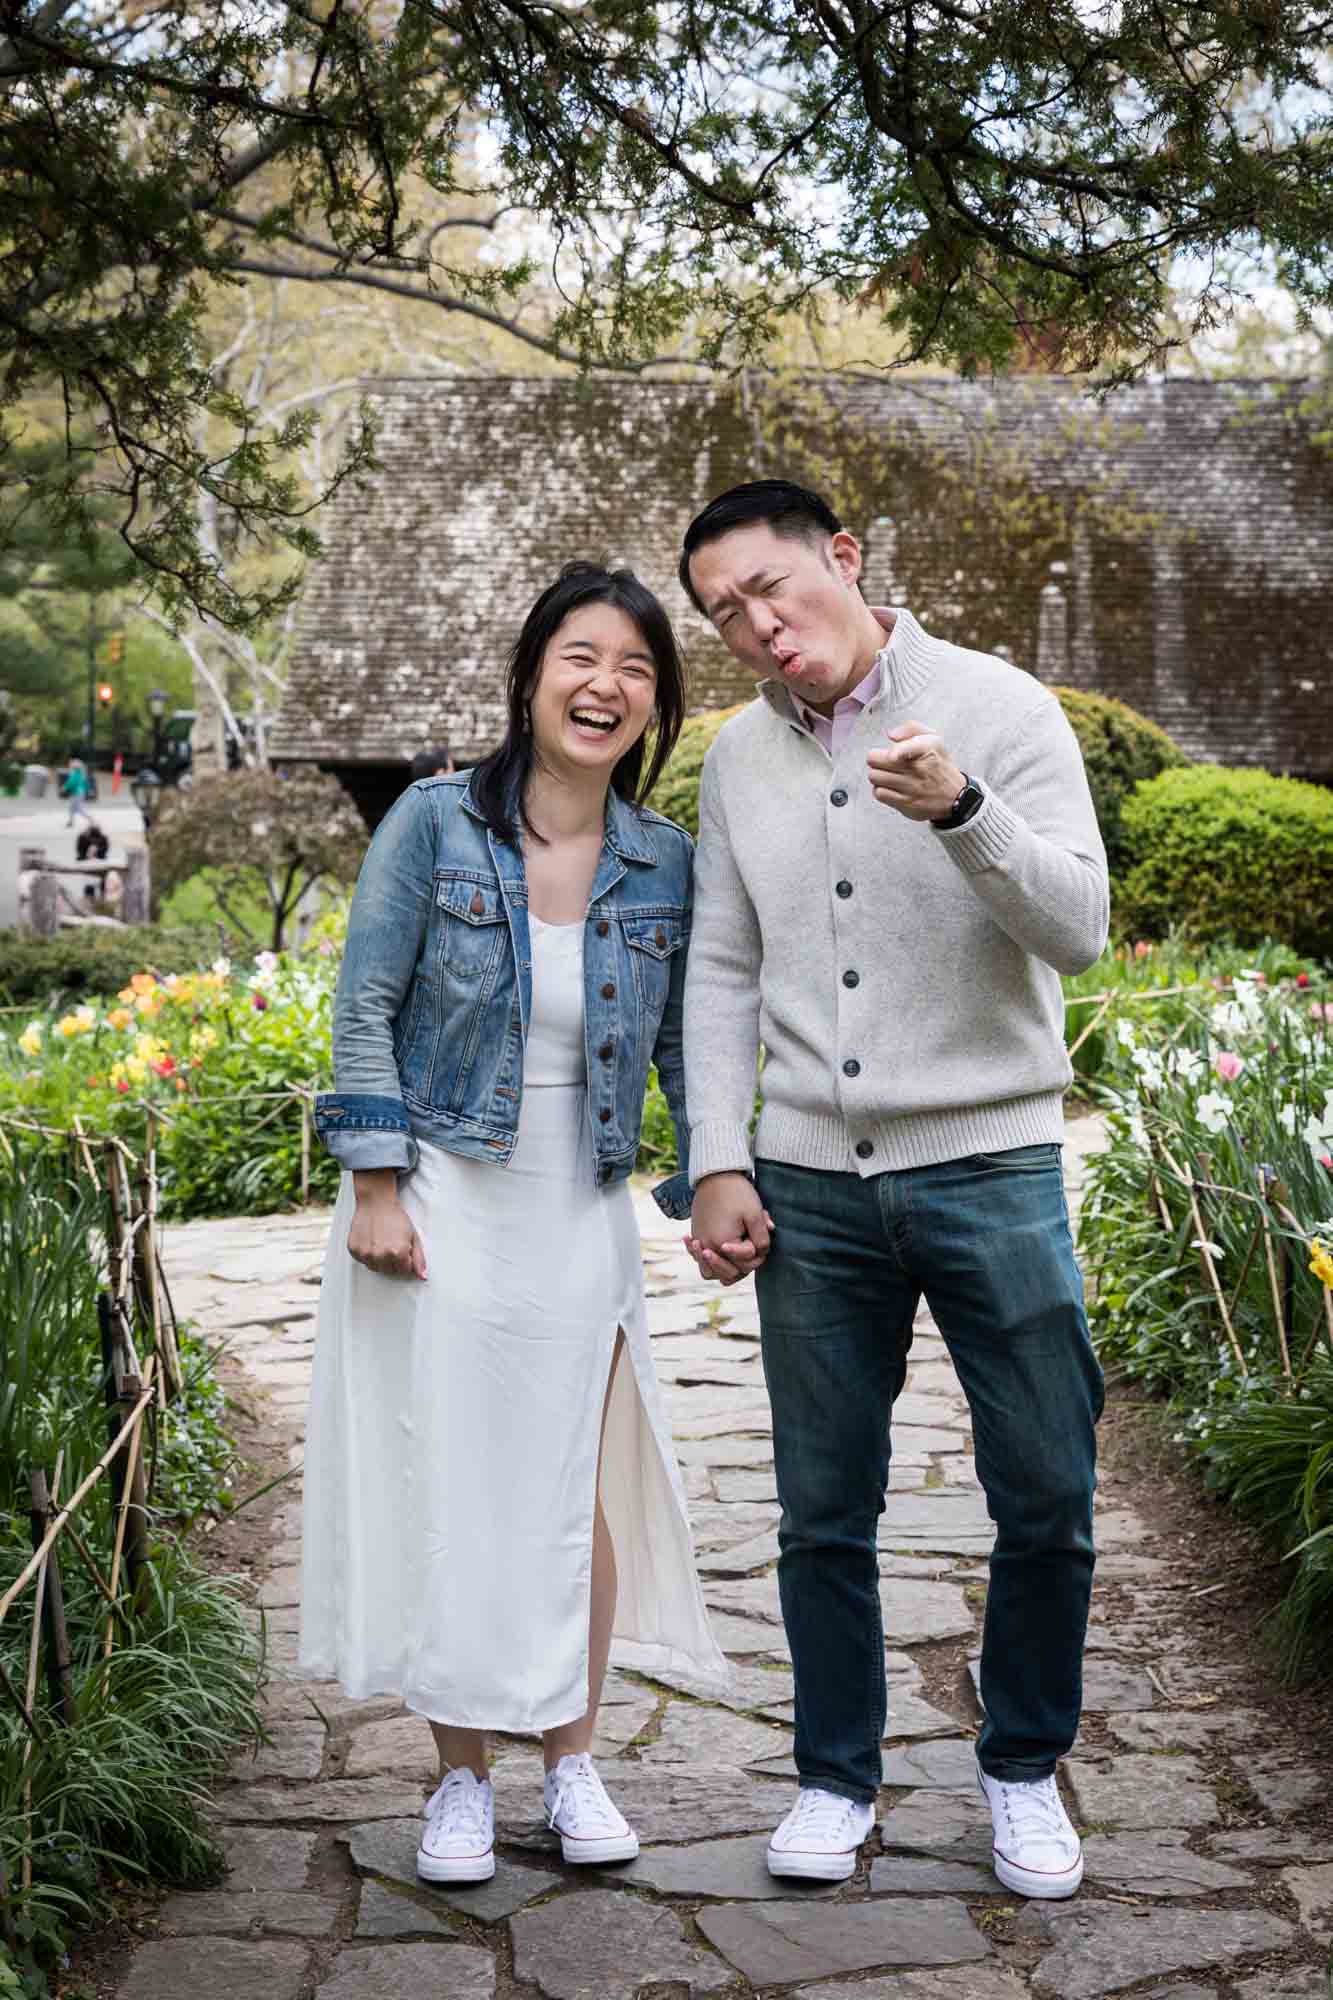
[115,649]
[104,693]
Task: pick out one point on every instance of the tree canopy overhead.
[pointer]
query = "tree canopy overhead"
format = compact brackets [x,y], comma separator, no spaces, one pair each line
[615,182]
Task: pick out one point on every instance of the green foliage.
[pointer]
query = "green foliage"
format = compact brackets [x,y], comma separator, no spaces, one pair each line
[1131,974]
[124,1788]
[1217,853]
[81,964]
[1229,1094]
[254,828]
[1120,747]
[1012,207]
[676,793]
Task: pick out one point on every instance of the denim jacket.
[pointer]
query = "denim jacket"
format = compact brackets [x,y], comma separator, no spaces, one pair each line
[435,990]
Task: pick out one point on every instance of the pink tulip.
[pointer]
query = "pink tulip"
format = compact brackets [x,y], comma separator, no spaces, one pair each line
[1142,949]
[1227,1065]
[1326,1160]
[1302,979]
[258,1002]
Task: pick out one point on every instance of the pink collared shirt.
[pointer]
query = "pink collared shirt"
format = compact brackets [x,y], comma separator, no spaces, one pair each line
[833,730]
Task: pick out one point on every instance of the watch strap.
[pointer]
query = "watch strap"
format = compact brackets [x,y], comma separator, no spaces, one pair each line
[967,803]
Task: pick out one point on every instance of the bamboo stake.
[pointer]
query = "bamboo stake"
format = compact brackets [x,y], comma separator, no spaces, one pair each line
[61,1514]
[20,1705]
[132,1498]
[1278,1315]
[1207,1258]
[1089,1028]
[34,1648]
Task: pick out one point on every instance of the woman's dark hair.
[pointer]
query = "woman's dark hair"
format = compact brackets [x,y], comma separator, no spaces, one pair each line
[780,504]
[500,780]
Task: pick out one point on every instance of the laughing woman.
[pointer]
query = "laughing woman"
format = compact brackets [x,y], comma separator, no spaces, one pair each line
[491,1496]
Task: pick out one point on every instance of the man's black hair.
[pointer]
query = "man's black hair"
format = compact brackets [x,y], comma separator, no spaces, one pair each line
[427,762]
[780,504]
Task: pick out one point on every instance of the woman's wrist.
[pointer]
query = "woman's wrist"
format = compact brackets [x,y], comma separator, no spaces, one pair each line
[375,1183]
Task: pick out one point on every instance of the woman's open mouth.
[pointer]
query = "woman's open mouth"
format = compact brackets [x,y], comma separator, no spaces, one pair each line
[594,722]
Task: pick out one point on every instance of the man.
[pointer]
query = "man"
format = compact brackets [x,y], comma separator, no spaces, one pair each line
[897,858]
[433,763]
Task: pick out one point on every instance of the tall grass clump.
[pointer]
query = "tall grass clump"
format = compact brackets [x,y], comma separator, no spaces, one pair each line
[120,1791]
[1207,1230]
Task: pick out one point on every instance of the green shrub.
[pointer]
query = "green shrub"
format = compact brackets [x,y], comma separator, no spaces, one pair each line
[49,971]
[676,792]
[1120,749]
[1217,853]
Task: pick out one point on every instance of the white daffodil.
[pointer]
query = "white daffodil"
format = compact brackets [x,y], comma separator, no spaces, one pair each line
[1212,1111]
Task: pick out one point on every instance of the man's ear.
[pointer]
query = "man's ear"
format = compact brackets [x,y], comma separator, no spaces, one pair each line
[846,553]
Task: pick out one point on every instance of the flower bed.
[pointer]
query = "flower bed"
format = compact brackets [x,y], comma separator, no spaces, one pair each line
[1206,1230]
[224,1059]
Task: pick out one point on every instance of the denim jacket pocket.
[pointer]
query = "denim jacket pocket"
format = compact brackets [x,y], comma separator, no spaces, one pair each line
[473,926]
[653,941]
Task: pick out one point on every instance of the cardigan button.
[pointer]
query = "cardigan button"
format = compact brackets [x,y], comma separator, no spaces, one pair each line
[603,928]
[609,990]
[864,1148]
[838,798]
[843,889]
[851,1067]
[851,979]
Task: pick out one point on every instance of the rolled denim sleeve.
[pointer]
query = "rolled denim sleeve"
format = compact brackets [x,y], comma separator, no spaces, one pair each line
[363,1121]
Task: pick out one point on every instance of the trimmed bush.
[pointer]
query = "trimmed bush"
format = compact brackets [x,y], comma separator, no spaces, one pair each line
[676,792]
[1120,749]
[1217,853]
[78,964]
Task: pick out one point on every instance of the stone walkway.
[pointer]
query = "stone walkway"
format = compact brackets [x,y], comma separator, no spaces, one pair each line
[1197,1888]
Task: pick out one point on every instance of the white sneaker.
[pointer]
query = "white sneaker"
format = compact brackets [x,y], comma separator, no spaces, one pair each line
[578,1808]
[1037,1852]
[459,1842]
[820,1836]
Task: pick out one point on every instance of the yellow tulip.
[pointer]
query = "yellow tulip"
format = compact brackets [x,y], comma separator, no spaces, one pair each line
[1321,1263]
[30,1041]
[119,1017]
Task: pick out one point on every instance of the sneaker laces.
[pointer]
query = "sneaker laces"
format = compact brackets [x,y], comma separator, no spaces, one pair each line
[821,1815]
[457,1807]
[1033,1808]
[583,1793]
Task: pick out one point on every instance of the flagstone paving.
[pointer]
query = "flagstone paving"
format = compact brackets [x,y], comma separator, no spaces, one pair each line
[1208,1876]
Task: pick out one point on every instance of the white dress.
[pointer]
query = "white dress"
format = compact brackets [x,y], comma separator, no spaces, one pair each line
[451,1451]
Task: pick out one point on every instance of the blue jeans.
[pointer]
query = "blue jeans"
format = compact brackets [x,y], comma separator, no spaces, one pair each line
[986,1239]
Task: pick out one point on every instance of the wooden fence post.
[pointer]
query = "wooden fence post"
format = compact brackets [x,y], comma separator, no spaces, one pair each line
[134,904]
[44,904]
[59,1674]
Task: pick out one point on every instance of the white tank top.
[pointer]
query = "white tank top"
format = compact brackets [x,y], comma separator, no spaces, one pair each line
[555,1053]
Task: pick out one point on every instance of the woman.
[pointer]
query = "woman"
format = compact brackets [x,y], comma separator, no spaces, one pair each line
[483,1455]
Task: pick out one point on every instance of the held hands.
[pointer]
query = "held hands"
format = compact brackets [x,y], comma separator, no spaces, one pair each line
[915,774]
[730,1228]
[382,1237]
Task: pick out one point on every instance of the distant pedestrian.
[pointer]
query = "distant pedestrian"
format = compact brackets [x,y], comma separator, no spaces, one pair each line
[435,763]
[76,789]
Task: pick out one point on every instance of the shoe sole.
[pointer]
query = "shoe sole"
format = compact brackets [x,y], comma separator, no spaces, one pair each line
[1029,1882]
[812,1867]
[624,1847]
[466,1868]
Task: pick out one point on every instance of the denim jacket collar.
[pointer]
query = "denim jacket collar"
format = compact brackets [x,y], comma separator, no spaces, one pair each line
[626,834]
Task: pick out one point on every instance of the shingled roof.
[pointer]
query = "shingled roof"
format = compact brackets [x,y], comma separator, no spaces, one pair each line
[1174,549]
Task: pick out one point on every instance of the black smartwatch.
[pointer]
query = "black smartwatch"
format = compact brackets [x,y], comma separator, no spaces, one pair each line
[964,806]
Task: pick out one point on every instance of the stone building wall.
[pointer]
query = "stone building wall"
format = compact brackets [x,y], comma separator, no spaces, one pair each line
[1174,548]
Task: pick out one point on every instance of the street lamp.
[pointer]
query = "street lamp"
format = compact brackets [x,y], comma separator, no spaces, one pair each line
[157,708]
[145,790]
